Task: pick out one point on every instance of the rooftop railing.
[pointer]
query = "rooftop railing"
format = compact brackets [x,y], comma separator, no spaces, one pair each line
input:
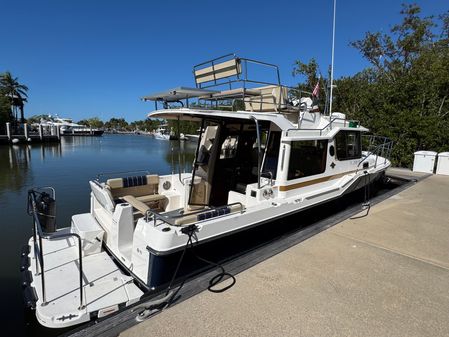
[345,122]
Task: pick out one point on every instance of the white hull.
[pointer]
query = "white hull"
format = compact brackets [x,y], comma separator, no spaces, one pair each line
[161,136]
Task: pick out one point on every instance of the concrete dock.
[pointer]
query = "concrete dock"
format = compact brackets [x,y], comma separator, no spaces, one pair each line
[386,274]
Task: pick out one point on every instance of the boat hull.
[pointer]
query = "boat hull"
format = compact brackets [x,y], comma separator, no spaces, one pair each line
[83,133]
[162,264]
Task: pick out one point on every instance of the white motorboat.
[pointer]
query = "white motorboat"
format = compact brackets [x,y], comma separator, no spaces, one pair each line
[68,127]
[161,133]
[271,159]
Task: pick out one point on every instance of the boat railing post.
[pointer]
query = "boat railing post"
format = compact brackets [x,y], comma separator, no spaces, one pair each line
[25,130]
[258,150]
[8,130]
[80,252]
[41,261]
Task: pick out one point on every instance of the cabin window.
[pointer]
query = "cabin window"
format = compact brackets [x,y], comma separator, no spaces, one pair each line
[348,145]
[307,158]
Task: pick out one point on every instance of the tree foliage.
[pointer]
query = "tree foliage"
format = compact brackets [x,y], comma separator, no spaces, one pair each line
[93,122]
[16,93]
[404,95]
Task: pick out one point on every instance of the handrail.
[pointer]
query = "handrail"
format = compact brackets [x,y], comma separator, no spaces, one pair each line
[384,148]
[164,218]
[326,126]
[99,175]
[38,247]
[259,150]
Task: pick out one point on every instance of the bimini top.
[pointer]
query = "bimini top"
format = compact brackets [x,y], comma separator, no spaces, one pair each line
[195,114]
[224,82]
[178,94]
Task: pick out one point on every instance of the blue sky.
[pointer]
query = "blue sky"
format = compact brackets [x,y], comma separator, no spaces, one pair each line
[96,58]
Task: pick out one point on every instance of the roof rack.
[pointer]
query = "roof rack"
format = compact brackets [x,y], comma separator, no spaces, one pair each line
[223,81]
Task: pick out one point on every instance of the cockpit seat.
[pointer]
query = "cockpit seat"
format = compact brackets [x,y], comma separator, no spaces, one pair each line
[137,204]
[143,189]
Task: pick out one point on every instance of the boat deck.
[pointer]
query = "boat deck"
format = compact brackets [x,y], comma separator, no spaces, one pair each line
[105,286]
[385,274]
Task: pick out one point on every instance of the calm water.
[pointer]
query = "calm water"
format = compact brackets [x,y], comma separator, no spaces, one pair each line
[67,167]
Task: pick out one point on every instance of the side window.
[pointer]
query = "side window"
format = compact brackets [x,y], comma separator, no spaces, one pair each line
[348,145]
[307,158]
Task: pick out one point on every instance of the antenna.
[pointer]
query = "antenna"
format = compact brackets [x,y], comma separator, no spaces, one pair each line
[332,62]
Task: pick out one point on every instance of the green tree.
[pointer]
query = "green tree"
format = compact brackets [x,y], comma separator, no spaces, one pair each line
[404,95]
[16,93]
[5,111]
[93,122]
[116,124]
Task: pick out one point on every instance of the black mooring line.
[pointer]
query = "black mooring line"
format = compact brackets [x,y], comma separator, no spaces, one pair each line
[113,325]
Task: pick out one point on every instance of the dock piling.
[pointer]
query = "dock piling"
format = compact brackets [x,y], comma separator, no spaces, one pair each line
[41,131]
[25,131]
[8,130]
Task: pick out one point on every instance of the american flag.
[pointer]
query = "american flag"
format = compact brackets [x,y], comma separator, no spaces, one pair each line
[316,90]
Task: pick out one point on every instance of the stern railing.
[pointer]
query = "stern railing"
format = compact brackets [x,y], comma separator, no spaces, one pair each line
[39,235]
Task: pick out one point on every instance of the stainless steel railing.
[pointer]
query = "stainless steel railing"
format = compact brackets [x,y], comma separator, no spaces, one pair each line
[151,215]
[328,125]
[378,146]
[39,234]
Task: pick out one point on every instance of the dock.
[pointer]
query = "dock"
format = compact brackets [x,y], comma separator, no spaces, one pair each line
[31,139]
[385,274]
[27,137]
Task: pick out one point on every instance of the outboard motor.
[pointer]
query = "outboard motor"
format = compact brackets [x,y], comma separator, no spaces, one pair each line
[46,208]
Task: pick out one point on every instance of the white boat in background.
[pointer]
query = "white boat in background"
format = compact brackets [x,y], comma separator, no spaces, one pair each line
[161,133]
[67,127]
[276,157]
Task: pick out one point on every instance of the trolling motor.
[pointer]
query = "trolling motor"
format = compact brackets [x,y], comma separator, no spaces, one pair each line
[46,212]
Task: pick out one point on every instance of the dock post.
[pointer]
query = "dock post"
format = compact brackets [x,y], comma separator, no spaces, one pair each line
[25,131]
[58,132]
[52,130]
[41,131]
[8,130]
[91,130]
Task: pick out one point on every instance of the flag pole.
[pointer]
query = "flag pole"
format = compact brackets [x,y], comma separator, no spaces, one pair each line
[332,62]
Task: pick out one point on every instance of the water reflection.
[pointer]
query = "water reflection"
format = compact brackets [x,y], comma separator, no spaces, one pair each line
[16,161]
[181,156]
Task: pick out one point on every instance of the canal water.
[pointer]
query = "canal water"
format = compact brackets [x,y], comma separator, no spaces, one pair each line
[67,167]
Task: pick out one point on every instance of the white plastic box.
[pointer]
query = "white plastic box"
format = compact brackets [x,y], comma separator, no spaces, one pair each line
[90,232]
[443,163]
[424,161]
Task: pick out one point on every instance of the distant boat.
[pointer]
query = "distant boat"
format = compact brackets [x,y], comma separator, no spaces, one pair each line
[161,134]
[68,128]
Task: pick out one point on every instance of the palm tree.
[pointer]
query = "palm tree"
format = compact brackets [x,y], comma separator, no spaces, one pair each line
[16,92]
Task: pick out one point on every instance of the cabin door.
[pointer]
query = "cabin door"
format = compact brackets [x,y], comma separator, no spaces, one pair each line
[204,165]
